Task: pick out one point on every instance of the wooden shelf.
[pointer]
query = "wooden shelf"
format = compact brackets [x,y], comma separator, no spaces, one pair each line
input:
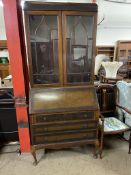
[106,50]
[3,44]
[123,53]
[4,68]
[123,49]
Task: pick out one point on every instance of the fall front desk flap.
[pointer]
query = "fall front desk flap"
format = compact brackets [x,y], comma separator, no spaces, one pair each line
[62,100]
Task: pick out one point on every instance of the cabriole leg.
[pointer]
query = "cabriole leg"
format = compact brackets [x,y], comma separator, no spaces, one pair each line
[101,143]
[33,151]
[96,149]
[130,143]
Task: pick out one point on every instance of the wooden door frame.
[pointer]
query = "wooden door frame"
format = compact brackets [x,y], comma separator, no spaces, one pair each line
[76,13]
[26,16]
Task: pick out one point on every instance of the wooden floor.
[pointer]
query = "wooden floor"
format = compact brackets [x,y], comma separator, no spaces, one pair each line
[77,161]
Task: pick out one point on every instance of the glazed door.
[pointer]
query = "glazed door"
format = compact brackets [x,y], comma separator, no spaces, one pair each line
[44,48]
[78,44]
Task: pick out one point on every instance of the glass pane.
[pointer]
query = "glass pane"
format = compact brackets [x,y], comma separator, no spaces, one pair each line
[79,39]
[122,54]
[44,48]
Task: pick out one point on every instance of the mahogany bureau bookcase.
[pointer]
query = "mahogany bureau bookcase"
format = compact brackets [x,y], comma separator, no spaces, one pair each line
[63,107]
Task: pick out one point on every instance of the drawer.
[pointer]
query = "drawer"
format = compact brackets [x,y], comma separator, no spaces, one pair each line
[61,117]
[64,127]
[64,137]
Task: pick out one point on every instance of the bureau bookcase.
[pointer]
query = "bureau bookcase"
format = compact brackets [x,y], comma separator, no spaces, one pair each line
[63,107]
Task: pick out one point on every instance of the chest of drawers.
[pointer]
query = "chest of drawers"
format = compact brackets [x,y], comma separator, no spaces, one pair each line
[63,117]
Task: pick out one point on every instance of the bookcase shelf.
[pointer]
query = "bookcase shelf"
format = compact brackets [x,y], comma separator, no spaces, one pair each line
[106,50]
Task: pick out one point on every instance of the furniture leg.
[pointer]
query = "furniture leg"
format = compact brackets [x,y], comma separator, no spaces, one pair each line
[101,143]
[130,143]
[96,149]
[18,152]
[33,151]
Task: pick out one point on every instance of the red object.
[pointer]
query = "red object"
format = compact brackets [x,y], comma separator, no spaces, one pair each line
[15,43]
[93,1]
[25,144]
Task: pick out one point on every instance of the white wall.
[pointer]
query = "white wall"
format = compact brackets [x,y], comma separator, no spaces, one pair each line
[117,22]
[109,36]
[2,25]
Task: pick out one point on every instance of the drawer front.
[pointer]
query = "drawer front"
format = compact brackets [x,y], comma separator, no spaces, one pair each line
[64,137]
[64,127]
[62,117]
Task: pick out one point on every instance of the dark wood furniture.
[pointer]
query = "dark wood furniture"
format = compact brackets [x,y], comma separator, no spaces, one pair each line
[109,122]
[110,80]
[61,50]
[4,68]
[106,50]
[106,94]
[113,120]
[123,53]
[63,117]
[3,44]
[123,50]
